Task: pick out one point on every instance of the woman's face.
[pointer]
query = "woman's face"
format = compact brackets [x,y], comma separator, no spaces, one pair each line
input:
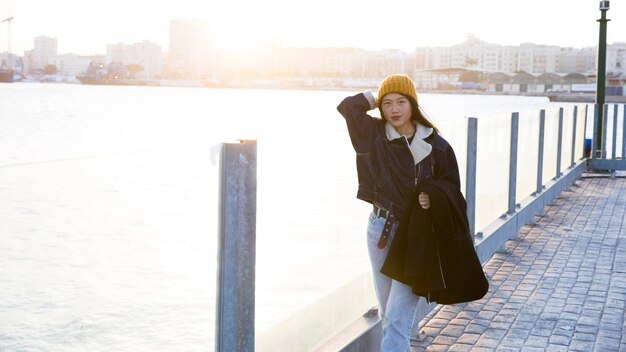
[397,110]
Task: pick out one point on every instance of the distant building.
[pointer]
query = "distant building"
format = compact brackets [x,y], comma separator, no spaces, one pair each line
[578,60]
[72,64]
[507,59]
[616,59]
[193,56]
[146,55]
[538,59]
[438,78]
[475,53]
[380,63]
[191,50]
[534,59]
[44,52]
[335,63]
[319,62]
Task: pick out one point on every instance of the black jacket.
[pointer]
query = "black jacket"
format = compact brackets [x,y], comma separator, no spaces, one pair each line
[433,251]
[386,169]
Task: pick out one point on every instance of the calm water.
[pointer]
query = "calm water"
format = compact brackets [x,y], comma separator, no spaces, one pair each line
[108,202]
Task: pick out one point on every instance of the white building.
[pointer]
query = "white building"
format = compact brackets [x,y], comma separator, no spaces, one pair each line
[616,58]
[381,63]
[538,59]
[43,53]
[508,59]
[191,49]
[475,53]
[535,59]
[569,61]
[145,54]
[428,58]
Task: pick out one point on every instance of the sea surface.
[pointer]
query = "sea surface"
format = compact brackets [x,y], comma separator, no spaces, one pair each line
[108,208]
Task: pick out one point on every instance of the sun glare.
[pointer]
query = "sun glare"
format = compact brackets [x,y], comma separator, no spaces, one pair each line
[240,24]
[245,32]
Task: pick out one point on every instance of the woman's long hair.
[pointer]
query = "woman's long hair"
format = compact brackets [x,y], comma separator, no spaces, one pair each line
[417,114]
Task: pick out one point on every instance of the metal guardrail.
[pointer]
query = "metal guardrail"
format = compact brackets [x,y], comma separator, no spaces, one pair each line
[235,308]
[492,237]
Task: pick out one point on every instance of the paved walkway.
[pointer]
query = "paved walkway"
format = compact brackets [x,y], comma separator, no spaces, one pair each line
[559,286]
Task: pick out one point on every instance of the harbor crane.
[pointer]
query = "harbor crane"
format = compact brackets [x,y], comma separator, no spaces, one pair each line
[8,20]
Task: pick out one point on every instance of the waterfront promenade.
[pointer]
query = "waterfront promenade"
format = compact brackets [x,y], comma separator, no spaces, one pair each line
[560,285]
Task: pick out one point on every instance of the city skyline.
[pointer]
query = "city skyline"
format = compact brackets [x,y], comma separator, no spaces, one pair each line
[84,30]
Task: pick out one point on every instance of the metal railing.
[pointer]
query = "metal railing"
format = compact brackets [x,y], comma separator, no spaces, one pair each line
[517,210]
[557,148]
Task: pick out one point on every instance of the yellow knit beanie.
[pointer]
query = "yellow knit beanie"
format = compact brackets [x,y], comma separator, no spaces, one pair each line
[396,83]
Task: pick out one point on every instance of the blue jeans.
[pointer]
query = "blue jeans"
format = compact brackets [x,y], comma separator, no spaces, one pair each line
[397,302]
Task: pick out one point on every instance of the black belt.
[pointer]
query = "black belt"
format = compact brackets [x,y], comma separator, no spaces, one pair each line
[391,219]
[384,213]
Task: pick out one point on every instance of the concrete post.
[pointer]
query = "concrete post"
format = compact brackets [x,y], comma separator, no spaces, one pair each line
[236,248]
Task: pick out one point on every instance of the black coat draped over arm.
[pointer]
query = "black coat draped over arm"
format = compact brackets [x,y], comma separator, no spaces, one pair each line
[433,251]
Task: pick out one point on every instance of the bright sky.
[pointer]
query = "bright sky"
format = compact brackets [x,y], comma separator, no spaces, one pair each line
[86,26]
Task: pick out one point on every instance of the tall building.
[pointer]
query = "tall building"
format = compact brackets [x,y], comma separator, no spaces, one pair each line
[44,52]
[191,49]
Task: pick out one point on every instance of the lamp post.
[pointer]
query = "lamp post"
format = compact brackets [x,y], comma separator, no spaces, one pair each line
[601,77]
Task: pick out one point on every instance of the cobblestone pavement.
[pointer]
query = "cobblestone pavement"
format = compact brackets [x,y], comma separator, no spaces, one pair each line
[559,286]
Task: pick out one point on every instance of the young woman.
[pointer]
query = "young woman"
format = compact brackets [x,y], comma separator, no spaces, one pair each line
[395,154]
